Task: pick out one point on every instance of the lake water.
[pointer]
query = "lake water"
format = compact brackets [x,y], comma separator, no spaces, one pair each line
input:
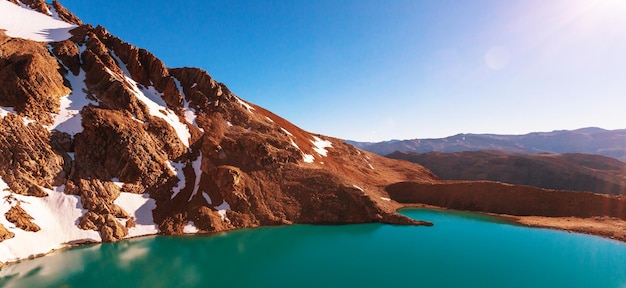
[461,250]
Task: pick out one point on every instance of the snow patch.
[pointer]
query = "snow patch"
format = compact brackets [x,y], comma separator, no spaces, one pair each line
[147,96]
[157,107]
[4,111]
[385,198]
[308,158]
[140,207]
[190,228]
[68,119]
[286,132]
[293,143]
[207,198]
[321,145]
[53,13]
[56,214]
[117,182]
[27,121]
[269,119]
[244,104]
[196,164]
[25,23]
[120,63]
[190,114]
[177,168]
[357,187]
[221,209]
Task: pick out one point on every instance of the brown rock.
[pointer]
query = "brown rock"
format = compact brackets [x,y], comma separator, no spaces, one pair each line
[130,223]
[65,14]
[32,79]
[38,5]
[5,234]
[118,230]
[67,51]
[113,145]
[110,228]
[27,159]
[209,220]
[21,219]
[90,221]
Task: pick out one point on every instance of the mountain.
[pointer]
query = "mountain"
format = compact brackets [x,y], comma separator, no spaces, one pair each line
[570,171]
[609,143]
[100,141]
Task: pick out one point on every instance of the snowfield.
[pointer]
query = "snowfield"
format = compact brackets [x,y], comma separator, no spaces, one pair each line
[140,207]
[56,214]
[25,23]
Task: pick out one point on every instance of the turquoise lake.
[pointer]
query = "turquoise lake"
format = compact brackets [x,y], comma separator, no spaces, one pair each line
[461,250]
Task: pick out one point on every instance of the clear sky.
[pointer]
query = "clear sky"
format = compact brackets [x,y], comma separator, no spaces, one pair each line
[379,70]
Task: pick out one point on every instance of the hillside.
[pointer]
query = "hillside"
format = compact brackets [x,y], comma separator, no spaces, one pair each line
[576,172]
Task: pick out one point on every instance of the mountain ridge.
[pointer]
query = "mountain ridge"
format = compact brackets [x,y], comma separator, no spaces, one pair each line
[589,140]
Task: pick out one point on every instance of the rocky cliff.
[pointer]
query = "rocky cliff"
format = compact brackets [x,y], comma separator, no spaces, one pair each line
[100,141]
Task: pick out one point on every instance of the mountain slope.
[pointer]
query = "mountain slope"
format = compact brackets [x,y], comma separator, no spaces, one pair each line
[101,141]
[575,172]
[609,143]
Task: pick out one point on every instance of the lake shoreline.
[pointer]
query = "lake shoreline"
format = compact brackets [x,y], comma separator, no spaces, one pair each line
[600,226]
[605,227]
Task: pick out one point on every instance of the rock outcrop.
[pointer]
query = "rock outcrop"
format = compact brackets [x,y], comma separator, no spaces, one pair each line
[5,234]
[21,219]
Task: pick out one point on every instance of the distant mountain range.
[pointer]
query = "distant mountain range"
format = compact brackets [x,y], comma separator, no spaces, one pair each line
[610,143]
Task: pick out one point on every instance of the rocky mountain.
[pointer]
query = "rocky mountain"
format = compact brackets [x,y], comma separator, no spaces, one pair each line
[609,143]
[101,141]
[570,171]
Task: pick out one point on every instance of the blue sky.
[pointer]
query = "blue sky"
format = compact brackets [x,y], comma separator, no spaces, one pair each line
[379,70]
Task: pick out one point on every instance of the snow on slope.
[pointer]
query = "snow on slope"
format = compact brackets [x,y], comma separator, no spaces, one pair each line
[321,145]
[157,107]
[69,119]
[56,214]
[190,114]
[22,22]
[196,164]
[140,207]
[4,111]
